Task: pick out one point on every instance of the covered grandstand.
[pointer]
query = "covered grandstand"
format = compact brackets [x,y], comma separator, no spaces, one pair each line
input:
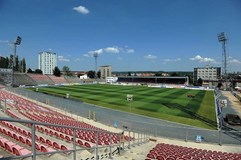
[154,80]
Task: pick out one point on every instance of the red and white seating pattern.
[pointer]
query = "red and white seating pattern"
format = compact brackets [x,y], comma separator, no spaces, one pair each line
[33,111]
[164,151]
[58,80]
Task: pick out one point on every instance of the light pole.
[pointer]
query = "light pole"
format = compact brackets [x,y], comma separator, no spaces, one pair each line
[95,56]
[15,44]
[222,38]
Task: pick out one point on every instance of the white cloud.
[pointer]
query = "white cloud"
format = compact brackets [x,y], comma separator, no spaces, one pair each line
[86,55]
[98,51]
[62,59]
[81,9]
[4,41]
[233,60]
[77,59]
[149,56]
[130,50]
[172,60]
[203,59]
[112,50]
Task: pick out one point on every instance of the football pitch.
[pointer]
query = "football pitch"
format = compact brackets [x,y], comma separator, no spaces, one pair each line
[163,103]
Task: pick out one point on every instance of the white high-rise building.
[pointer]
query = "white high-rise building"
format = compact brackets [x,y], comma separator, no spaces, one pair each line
[207,73]
[47,61]
[105,71]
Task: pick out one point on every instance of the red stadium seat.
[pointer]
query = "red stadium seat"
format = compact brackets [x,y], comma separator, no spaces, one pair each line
[9,146]
[2,142]
[42,139]
[49,142]
[56,145]
[22,139]
[21,152]
[28,142]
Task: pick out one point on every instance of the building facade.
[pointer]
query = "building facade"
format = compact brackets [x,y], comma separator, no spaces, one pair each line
[105,71]
[47,61]
[207,73]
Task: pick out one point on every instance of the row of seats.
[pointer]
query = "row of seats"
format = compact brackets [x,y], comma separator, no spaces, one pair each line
[24,137]
[41,78]
[164,151]
[39,113]
[58,80]
[40,139]
[13,148]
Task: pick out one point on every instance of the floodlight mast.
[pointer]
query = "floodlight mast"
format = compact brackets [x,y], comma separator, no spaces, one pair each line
[222,39]
[95,56]
[16,43]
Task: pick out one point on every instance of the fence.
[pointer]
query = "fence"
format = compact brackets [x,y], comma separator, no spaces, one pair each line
[74,150]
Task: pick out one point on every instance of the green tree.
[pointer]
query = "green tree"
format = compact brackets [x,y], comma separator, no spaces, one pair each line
[16,66]
[174,74]
[29,70]
[23,65]
[66,70]
[3,62]
[91,74]
[129,73]
[10,64]
[7,62]
[200,82]
[158,74]
[98,74]
[38,71]
[56,71]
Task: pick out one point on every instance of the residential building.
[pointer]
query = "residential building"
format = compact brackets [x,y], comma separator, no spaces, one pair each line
[47,61]
[105,71]
[207,73]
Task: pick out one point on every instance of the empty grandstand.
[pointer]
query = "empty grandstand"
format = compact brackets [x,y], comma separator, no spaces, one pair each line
[154,80]
[54,132]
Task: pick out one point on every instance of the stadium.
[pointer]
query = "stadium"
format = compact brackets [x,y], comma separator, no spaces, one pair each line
[134,118]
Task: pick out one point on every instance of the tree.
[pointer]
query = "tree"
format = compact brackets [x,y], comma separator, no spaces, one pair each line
[3,62]
[219,85]
[174,74]
[66,70]
[98,74]
[23,65]
[91,74]
[7,62]
[38,71]
[158,74]
[16,66]
[56,71]
[129,73]
[199,82]
[29,70]
[10,64]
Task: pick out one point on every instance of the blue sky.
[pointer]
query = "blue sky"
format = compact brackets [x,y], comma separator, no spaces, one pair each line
[130,35]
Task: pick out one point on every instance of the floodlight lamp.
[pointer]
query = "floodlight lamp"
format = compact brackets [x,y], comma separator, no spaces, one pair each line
[18,40]
[221,37]
[95,54]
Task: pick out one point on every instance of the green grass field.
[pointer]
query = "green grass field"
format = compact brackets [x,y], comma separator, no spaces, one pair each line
[163,103]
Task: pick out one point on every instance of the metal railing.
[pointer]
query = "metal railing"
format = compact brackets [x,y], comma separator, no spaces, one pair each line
[136,123]
[74,150]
